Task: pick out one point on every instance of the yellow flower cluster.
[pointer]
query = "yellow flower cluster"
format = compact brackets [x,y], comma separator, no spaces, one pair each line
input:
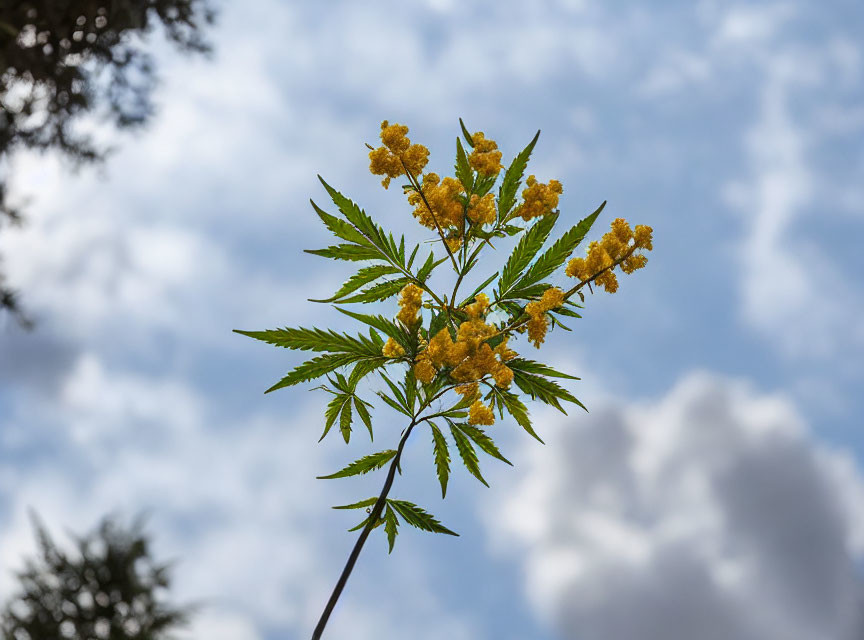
[392,349]
[485,158]
[470,356]
[538,325]
[539,199]
[410,300]
[443,199]
[479,413]
[397,154]
[482,210]
[613,248]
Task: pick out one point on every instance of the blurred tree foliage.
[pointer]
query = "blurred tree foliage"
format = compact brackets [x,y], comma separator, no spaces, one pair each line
[64,59]
[110,588]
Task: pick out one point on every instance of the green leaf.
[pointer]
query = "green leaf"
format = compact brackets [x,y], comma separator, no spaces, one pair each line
[413,255]
[334,407]
[463,170]
[529,366]
[387,327]
[339,227]
[345,422]
[558,253]
[482,440]
[322,365]
[393,404]
[516,408]
[382,241]
[439,321]
[543,389]
[428,266]
[391,527]
[365,522]
[484,185]
[467,453]
[359,279]
[363,465]
[410,385]
[513,178]
[397,393]
[467,135]
[352,252]
[566,312]
[417,517]
[378,292]
[442,458]
[368,502]
[302,339]
[528,246]
[479,289]
[363,412]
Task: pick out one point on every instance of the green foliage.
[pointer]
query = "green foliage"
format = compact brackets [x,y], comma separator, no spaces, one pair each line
[442,458]
[466,452]
[555,256]
[118,590]
[417,517]
[417,381]
[363,465]
[524,252]
[512,180]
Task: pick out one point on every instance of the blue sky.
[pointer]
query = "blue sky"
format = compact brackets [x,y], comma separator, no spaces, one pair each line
[719,470]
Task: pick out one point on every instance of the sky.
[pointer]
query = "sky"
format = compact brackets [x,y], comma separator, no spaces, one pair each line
[714,490]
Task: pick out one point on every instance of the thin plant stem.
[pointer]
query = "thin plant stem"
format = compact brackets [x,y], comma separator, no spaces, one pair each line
[361,540]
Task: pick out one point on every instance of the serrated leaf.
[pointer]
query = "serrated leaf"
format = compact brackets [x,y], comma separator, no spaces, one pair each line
[387,327]
[413,255]
[352,252]
[322,365]
[566,312]
[363,412]
[345,422]
[480,288]
[465,133]
[483,185]
[368,502]
[359,279]
[417,517]
[557,254]
[513,178]
[463,170]
[516,408]
[387,399]
[524,252]
[363,465]
[467,453]
[340,228]
[334,407]
[302,339]
[377,292]
[543,389]
[482,440]
[442,458]
[529,366]
[429,266]
[439,321]
[382,241]
[391,527]
[365,522]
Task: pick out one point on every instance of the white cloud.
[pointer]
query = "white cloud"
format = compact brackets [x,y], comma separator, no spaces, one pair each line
[752,24]
[792,290]
[237,504]
[707,514]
